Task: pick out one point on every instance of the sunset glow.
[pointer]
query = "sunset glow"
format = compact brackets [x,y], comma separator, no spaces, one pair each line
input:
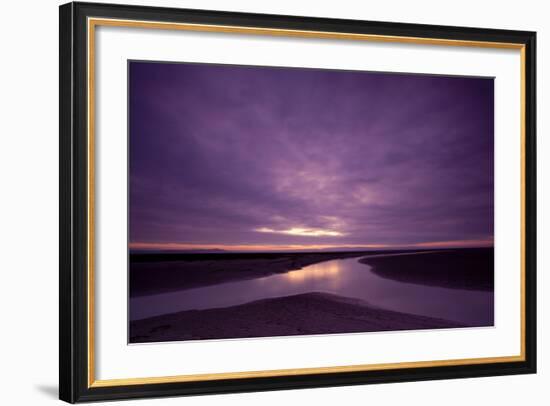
[304,247]
[307,232]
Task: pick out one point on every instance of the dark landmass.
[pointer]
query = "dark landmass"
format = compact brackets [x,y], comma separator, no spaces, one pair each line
[202,255]
[144,253]
[465,268]
[309,313]
[168,272]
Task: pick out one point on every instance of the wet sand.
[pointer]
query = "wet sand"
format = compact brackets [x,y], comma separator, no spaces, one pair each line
[466,268]
[303,314]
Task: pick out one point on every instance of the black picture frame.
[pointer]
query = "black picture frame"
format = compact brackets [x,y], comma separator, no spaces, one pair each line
[74,380]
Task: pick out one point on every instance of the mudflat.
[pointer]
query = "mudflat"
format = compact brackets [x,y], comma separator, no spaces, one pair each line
[303,314]
[464,268]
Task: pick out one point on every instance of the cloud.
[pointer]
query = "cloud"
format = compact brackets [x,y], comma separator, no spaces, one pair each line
[220,152]
[306,232]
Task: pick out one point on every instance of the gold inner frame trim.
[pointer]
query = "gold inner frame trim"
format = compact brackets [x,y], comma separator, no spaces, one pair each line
[94,22]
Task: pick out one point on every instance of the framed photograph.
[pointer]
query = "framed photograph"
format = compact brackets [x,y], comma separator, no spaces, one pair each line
[255,202]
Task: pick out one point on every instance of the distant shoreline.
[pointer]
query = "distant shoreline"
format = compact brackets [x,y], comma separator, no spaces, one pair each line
[151,274]
[303,314]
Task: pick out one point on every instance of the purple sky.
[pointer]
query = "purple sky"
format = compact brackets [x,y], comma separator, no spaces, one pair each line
[257,157]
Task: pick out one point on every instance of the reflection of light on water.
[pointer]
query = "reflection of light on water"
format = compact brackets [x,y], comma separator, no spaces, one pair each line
[343,277]
[327,270]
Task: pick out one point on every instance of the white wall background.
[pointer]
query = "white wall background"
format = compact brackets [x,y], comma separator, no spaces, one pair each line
[29,189]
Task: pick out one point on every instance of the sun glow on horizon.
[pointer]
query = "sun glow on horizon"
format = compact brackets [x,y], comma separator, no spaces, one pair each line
[304,232]
[175,246]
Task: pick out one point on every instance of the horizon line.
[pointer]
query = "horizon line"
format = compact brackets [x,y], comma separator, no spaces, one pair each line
[173,246]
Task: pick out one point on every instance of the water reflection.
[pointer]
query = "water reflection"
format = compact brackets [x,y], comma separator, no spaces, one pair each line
[344,277]
[324,270]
